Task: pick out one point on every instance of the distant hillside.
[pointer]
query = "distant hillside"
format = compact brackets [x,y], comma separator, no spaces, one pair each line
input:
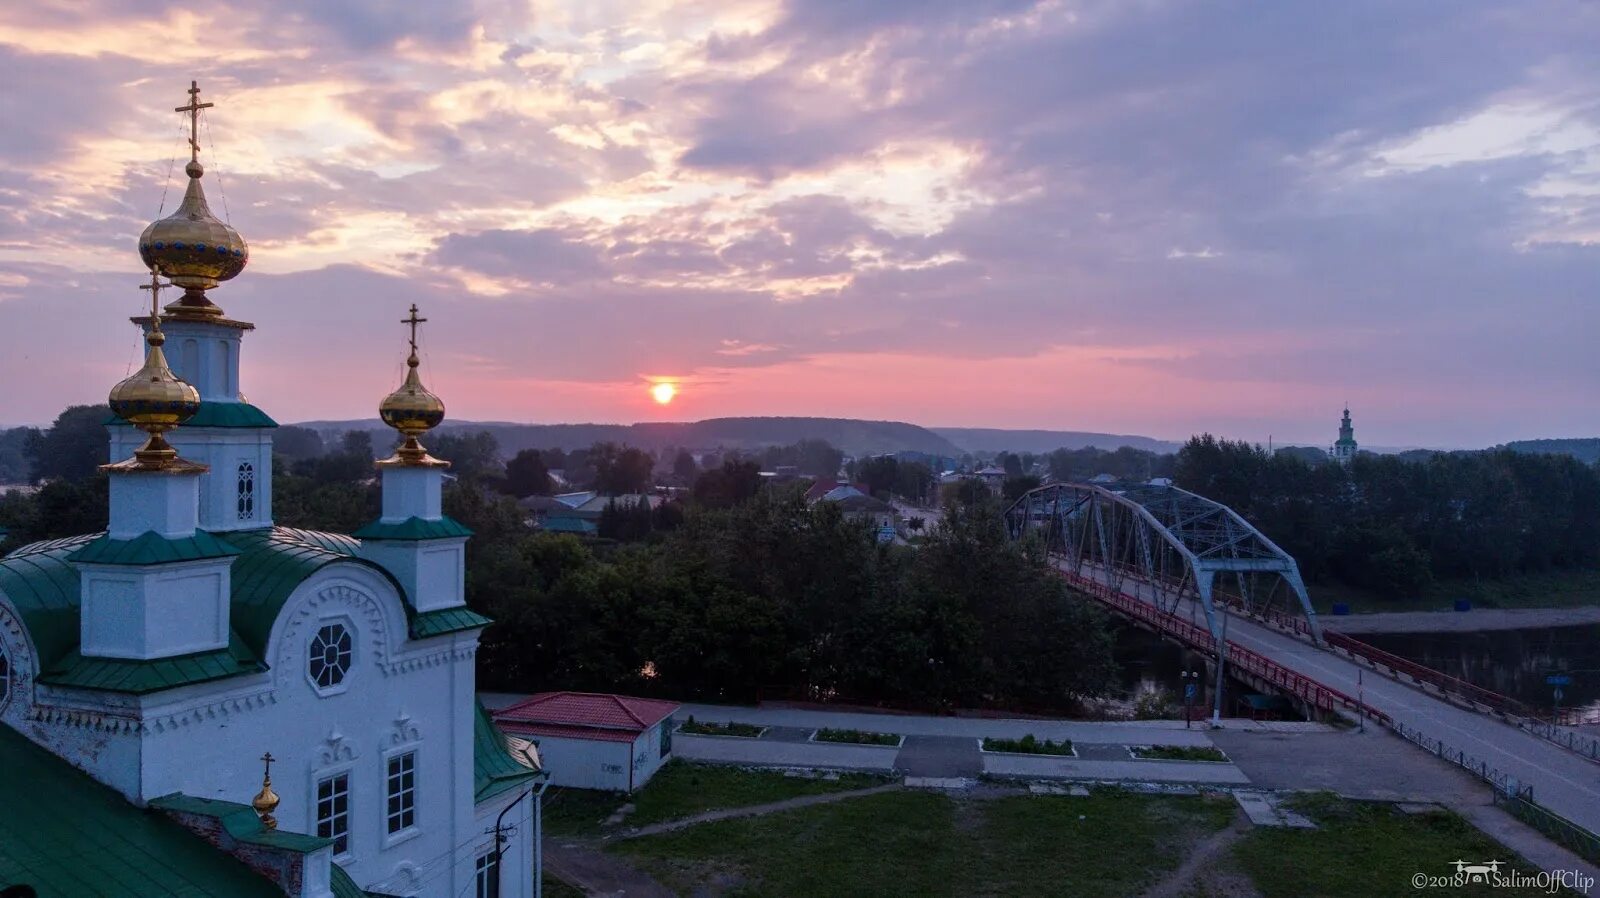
[985,439]
[1586,450]
[851,436]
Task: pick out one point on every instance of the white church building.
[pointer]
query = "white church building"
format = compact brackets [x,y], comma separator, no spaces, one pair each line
[148,673]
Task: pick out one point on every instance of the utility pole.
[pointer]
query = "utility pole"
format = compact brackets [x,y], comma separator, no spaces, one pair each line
[1222,658]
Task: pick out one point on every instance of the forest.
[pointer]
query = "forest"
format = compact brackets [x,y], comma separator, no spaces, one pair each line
[737,588]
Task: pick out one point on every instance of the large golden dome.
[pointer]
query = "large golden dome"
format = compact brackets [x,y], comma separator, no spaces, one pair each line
[191,247]
[412,409]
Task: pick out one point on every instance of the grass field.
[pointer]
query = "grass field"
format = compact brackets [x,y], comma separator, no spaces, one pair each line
[682,789]
[1362,849]
[1112,843]
[1565,589]
[922,843]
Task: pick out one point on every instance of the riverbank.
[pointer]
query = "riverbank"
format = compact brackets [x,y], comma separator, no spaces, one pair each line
[1475,621]
[1550,590]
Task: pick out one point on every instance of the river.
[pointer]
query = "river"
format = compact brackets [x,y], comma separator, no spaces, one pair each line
[1510,662]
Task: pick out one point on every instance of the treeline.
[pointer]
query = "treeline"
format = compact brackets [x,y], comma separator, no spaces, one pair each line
[1396,525]
[774,597]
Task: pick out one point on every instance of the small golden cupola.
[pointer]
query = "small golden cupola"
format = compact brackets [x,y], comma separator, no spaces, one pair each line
[191,247]
[412,410]
[154,400]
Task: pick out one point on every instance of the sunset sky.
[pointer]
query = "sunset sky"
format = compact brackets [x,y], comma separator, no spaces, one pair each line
[1118,215]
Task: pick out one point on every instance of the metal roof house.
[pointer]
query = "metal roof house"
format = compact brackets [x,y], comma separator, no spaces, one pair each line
[594,740]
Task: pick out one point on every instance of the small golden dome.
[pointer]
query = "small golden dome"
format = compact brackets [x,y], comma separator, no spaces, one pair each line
[266,801]
[154,400]
[413,409]
[192,247]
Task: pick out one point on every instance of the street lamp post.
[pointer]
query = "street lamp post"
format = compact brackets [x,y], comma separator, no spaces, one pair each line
[1191,685]
[1222,657]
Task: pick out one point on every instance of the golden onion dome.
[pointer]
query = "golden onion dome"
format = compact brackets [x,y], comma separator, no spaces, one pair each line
[193,248]
[413,410]
[155,400]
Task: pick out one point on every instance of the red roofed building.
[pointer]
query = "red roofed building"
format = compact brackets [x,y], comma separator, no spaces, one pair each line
[591,740]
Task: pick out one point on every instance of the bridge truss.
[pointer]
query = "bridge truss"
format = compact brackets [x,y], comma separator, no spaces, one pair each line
[1164,545]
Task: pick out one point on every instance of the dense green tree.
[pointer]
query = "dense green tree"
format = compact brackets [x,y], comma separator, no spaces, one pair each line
[621,470]
[684,469]
[73,448]
[1015,486]
[732,484]
[298,443]
[472,456]
[526,474]
[15,466]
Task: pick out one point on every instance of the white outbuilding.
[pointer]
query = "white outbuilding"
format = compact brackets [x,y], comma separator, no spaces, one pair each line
[593,740]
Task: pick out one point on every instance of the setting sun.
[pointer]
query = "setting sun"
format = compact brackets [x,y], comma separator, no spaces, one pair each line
[663,392]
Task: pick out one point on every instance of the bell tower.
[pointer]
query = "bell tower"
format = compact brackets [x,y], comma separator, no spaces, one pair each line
[197,251]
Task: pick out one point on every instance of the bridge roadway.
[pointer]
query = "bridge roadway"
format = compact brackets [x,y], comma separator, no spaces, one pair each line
[1562,781]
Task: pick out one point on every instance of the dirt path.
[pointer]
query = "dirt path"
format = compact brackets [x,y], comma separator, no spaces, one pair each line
[586,866]
[754,810]
[1199,861]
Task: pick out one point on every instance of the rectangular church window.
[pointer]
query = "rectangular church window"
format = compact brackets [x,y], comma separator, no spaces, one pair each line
[333,811]
[402,792]
[488,876]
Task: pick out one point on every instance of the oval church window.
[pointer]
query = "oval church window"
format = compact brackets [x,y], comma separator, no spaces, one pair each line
[329,656]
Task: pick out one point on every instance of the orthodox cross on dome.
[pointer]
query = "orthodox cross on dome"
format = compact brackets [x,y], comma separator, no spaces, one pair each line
[413,320]
[193,109]
[155,287]
[266,801]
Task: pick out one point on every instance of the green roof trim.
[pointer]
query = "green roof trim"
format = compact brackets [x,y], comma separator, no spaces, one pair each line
[151,547]
[343,886]
[494,769]
[240,822]
[414,528]
[446,620]
[66,835]
[139,677]
[218,414]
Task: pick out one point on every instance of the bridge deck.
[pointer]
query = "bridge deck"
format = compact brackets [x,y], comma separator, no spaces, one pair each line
[1562,781]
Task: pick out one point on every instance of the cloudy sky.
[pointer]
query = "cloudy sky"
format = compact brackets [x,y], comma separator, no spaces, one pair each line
[1125,215]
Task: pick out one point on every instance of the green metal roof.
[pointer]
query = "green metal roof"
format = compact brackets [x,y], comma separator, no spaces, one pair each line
[140,677]
[414,528]
[268,565]
[151,547]
[494,769]
[343,885]
[445,620]
[66,836]
[218,414]
[240,822]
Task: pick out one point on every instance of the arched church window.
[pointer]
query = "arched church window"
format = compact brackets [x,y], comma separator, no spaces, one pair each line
[247,491]
[329,658]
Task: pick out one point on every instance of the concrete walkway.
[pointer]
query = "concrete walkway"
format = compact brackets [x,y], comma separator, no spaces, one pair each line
[1476,620]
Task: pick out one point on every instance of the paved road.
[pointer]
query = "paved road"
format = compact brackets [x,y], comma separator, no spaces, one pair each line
[1561,781]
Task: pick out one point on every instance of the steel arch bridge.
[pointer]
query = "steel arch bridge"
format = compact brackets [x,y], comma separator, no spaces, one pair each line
[1163,545]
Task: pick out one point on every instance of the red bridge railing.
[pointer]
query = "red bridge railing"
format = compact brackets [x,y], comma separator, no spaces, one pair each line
[1291,682]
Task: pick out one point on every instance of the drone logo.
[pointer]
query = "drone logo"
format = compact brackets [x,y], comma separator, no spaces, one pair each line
[1483,872]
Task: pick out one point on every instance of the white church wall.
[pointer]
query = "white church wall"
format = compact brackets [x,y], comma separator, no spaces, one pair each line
[223,450]
[517,857]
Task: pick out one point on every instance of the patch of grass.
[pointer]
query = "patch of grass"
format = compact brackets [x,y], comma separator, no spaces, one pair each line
[701,728]
[1111,843]
[579,812]
[681,789]
[1178,753]
[1550,589]
[1028,745]
[555,888]
[1362,849]
[857,737]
